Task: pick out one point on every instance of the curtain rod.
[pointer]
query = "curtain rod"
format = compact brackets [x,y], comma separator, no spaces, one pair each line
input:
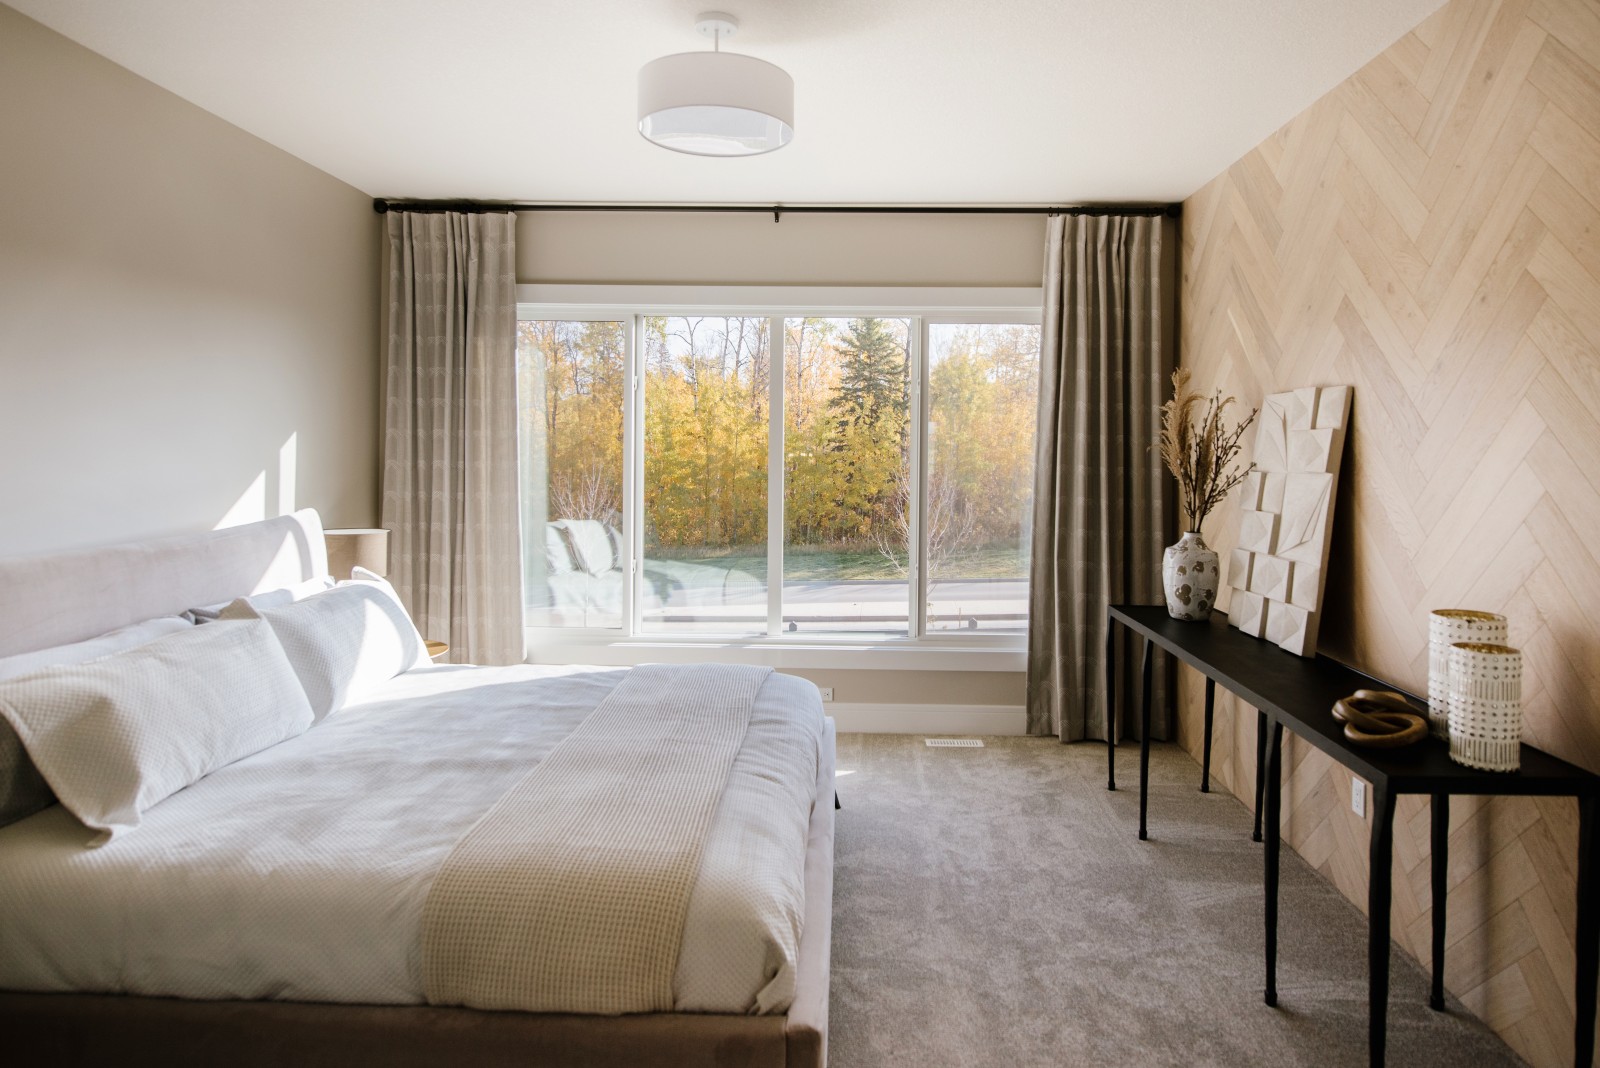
[382,206]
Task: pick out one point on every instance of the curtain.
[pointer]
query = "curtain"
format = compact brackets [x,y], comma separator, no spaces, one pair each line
[450,430]
[1103,507]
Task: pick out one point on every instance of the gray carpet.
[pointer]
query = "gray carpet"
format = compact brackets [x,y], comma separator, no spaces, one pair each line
[994,907]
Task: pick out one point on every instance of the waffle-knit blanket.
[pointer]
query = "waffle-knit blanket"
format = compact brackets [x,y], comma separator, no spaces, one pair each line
[570,894]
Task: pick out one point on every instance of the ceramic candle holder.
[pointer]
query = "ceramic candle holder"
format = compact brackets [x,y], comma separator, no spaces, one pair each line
[1446,627]
[1486,706]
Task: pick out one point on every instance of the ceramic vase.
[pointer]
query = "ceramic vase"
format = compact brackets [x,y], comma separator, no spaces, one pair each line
[1189,575]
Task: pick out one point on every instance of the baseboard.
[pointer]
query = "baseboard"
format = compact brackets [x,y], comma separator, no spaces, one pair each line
[927,719]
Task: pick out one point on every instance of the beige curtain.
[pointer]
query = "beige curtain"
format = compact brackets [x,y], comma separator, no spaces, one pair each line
[1103,508]
[450,430]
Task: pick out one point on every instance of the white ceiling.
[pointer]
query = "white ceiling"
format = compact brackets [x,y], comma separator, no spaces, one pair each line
[896,101]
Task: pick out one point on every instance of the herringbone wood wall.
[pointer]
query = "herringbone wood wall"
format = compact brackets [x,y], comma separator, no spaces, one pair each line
[1430,233]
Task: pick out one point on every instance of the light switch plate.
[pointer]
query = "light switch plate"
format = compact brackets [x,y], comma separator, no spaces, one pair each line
[827,692]
[1358,797]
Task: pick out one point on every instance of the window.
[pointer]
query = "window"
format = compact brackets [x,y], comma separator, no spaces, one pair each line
[847,472]
[705,474]
[983,395]
[571,378]
[728,471]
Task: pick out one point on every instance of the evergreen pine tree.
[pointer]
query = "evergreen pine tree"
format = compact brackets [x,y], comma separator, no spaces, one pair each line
[873,383]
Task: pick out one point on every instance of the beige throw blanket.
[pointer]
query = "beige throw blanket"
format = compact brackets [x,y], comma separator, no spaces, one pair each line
[570,894]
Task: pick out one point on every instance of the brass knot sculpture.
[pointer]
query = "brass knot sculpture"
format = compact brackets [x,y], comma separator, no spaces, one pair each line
[1379,719]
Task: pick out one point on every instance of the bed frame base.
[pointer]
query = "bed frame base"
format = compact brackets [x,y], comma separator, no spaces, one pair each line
[83,1029]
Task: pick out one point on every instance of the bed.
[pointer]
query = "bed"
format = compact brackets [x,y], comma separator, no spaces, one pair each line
[275,910]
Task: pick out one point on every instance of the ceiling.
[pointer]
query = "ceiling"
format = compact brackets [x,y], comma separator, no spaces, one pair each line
[896,101]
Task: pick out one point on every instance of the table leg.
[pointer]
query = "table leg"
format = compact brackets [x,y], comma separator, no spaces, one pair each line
[1111,704]
[1588,943]
[1205,763]
[1441,864]
[1145,675]
[1379,872]
[1261,761]
[1274,798]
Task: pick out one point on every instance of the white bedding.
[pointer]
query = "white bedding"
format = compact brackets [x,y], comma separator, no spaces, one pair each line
[300,873]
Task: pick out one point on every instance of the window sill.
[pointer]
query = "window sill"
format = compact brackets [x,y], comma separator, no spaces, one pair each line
[891,654]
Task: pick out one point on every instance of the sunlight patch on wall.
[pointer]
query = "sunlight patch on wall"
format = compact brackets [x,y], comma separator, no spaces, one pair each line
[286,471]
[250,507]
[276,484]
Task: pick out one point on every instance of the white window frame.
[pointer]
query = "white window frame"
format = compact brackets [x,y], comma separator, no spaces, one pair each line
[922,306]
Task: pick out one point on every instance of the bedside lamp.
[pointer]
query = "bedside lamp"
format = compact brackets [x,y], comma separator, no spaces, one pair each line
[352,547]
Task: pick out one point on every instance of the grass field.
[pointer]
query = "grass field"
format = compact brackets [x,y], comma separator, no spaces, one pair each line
[850,563]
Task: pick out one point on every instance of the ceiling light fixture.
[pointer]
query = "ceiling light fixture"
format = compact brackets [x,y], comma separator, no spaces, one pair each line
[716,103]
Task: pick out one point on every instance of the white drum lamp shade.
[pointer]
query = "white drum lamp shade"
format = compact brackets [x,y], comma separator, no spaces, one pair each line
[716,104]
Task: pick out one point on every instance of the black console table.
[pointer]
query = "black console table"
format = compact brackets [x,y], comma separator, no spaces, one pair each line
[1298,693]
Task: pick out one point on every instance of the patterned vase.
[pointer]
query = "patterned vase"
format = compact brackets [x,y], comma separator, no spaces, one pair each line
[1189,574]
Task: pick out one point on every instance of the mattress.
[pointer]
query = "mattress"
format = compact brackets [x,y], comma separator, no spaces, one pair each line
[300,873]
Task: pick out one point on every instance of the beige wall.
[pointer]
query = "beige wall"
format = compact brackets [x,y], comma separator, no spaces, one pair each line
[1427,232]
[724,248]
[976,689]
[187,314]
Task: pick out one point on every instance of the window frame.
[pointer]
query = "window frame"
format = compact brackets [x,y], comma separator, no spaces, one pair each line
[923,307]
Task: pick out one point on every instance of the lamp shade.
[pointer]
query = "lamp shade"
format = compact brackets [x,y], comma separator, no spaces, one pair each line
[353,547]
[716,104]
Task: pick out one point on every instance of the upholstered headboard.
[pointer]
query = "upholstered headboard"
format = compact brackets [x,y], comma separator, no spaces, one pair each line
[68,597]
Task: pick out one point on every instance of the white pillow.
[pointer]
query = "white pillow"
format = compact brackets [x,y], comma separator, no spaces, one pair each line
[343,642]
[117,735]
[266,598]
[591,545]
[23,790]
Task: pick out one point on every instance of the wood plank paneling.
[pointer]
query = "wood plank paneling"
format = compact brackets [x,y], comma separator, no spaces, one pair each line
[1430,233]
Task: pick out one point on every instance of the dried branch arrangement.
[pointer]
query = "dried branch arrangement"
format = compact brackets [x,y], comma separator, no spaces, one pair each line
[1198,455]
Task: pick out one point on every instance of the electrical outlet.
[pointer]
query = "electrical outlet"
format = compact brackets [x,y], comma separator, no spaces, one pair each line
[1358,797]
[827,692]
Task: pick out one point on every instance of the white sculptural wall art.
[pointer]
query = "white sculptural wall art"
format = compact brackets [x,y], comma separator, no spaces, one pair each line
[1278,570]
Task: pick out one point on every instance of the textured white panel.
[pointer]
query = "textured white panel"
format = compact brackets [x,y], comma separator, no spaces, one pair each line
[1310,450]
[1272,435]
[1250,491]
[1286,625]
[1287,514]
[1332,404]
[1302,408]
[1303,524]
[1305,583]
[1270,577]
[1239,569]
[1273,484]
[1248,613]
[1257,531]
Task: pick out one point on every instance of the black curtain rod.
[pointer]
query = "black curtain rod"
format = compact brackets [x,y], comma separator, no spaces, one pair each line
[381,206]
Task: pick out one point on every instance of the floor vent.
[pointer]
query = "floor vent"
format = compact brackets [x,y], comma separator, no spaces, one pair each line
[955,743]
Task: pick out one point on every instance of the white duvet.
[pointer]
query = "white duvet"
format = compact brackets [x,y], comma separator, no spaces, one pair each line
[300,873]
